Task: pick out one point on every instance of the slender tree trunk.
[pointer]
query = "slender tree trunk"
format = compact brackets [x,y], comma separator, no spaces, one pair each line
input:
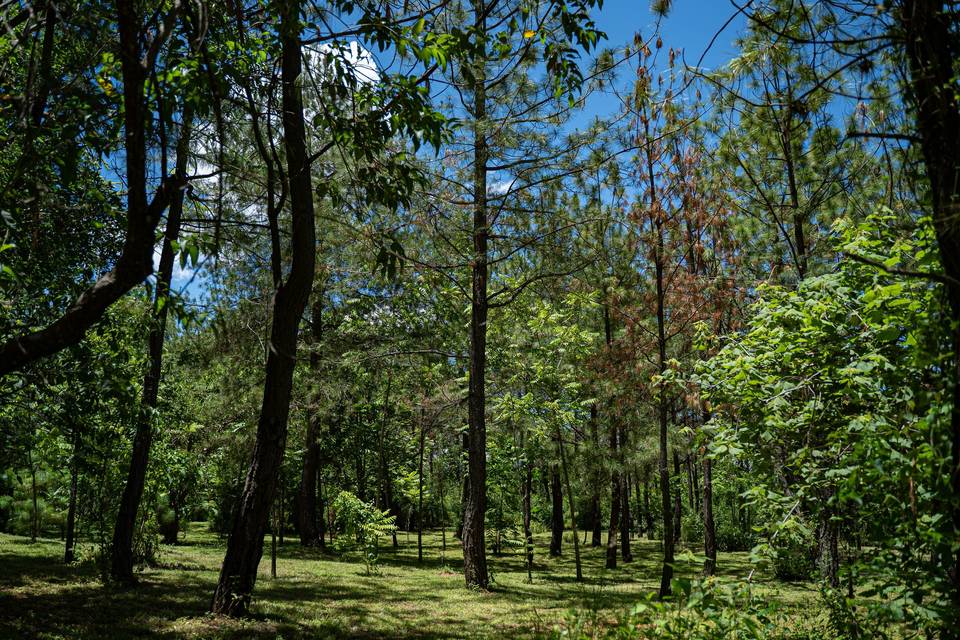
[709,530]
[420,493]
[527,516]
[625,523]
[646,505]
[121,558]
[556,512]
[474,552]
[573,512]
[310,535]
[596,512]
[273,543]
[615,495]
[72,506]
[245,547]
[666,575]
[641,527]
[677,500]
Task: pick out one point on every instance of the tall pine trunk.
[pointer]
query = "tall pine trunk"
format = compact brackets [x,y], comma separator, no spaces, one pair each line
[474,551]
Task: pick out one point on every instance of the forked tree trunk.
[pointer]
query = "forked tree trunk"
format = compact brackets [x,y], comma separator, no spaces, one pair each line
[245,547]
[121,555]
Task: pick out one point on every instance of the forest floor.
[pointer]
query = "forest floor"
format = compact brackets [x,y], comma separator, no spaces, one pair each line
[320,595]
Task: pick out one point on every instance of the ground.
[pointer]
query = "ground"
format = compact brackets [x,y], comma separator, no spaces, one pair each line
[318,595]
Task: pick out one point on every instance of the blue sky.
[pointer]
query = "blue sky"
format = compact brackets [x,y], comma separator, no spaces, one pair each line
[689,26]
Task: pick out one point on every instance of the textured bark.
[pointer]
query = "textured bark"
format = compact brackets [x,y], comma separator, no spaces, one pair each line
[556,512]
[245,547]
[121,554]
[474,551]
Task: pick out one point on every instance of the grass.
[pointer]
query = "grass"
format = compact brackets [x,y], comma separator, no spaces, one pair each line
[319,595]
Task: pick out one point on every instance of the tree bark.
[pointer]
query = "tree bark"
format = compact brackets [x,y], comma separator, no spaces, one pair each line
[474,552]
[420,492]
[121,558]
[556,512]
[245,547]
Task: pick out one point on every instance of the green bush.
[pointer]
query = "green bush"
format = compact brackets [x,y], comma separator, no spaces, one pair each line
[701,610]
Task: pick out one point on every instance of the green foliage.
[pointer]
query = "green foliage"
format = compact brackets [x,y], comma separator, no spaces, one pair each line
[363,525]
[700,610]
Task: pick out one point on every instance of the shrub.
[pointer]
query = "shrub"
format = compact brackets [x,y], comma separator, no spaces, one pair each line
[363,525]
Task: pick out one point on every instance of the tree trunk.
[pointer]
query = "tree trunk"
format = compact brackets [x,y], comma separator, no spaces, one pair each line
[596,512]
[573,513]
[72,506]
[310,535]
[930,50]
[121,558]
[625,522]
[474,552]
[677,500]
[556,512]
[420,493]
[615,495]
[709,530]
[527,517]
[245,547]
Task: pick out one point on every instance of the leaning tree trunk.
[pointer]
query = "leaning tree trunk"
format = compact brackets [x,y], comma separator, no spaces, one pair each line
[556,512]
[121,554]
[245,547]
[310,535]
[474,551]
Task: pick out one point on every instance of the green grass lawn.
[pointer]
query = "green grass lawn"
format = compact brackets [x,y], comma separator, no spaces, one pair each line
[319,595]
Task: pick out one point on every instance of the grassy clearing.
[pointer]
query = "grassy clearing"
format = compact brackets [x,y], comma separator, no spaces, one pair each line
[320,595]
